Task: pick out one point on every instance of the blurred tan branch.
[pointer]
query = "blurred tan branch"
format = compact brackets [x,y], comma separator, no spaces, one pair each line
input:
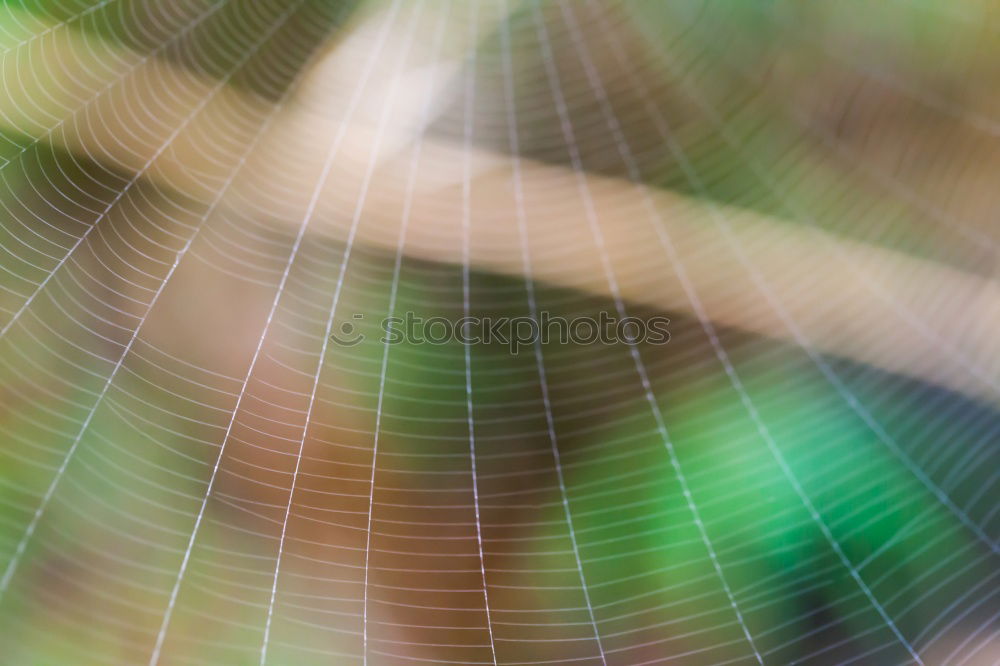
[822,281]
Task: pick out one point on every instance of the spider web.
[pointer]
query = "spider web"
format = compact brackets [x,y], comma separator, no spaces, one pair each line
[194,472]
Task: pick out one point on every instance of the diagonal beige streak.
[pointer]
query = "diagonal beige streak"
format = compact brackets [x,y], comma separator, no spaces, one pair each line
[827,301]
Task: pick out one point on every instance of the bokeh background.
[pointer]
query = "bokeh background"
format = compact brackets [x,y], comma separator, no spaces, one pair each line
[195,194]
